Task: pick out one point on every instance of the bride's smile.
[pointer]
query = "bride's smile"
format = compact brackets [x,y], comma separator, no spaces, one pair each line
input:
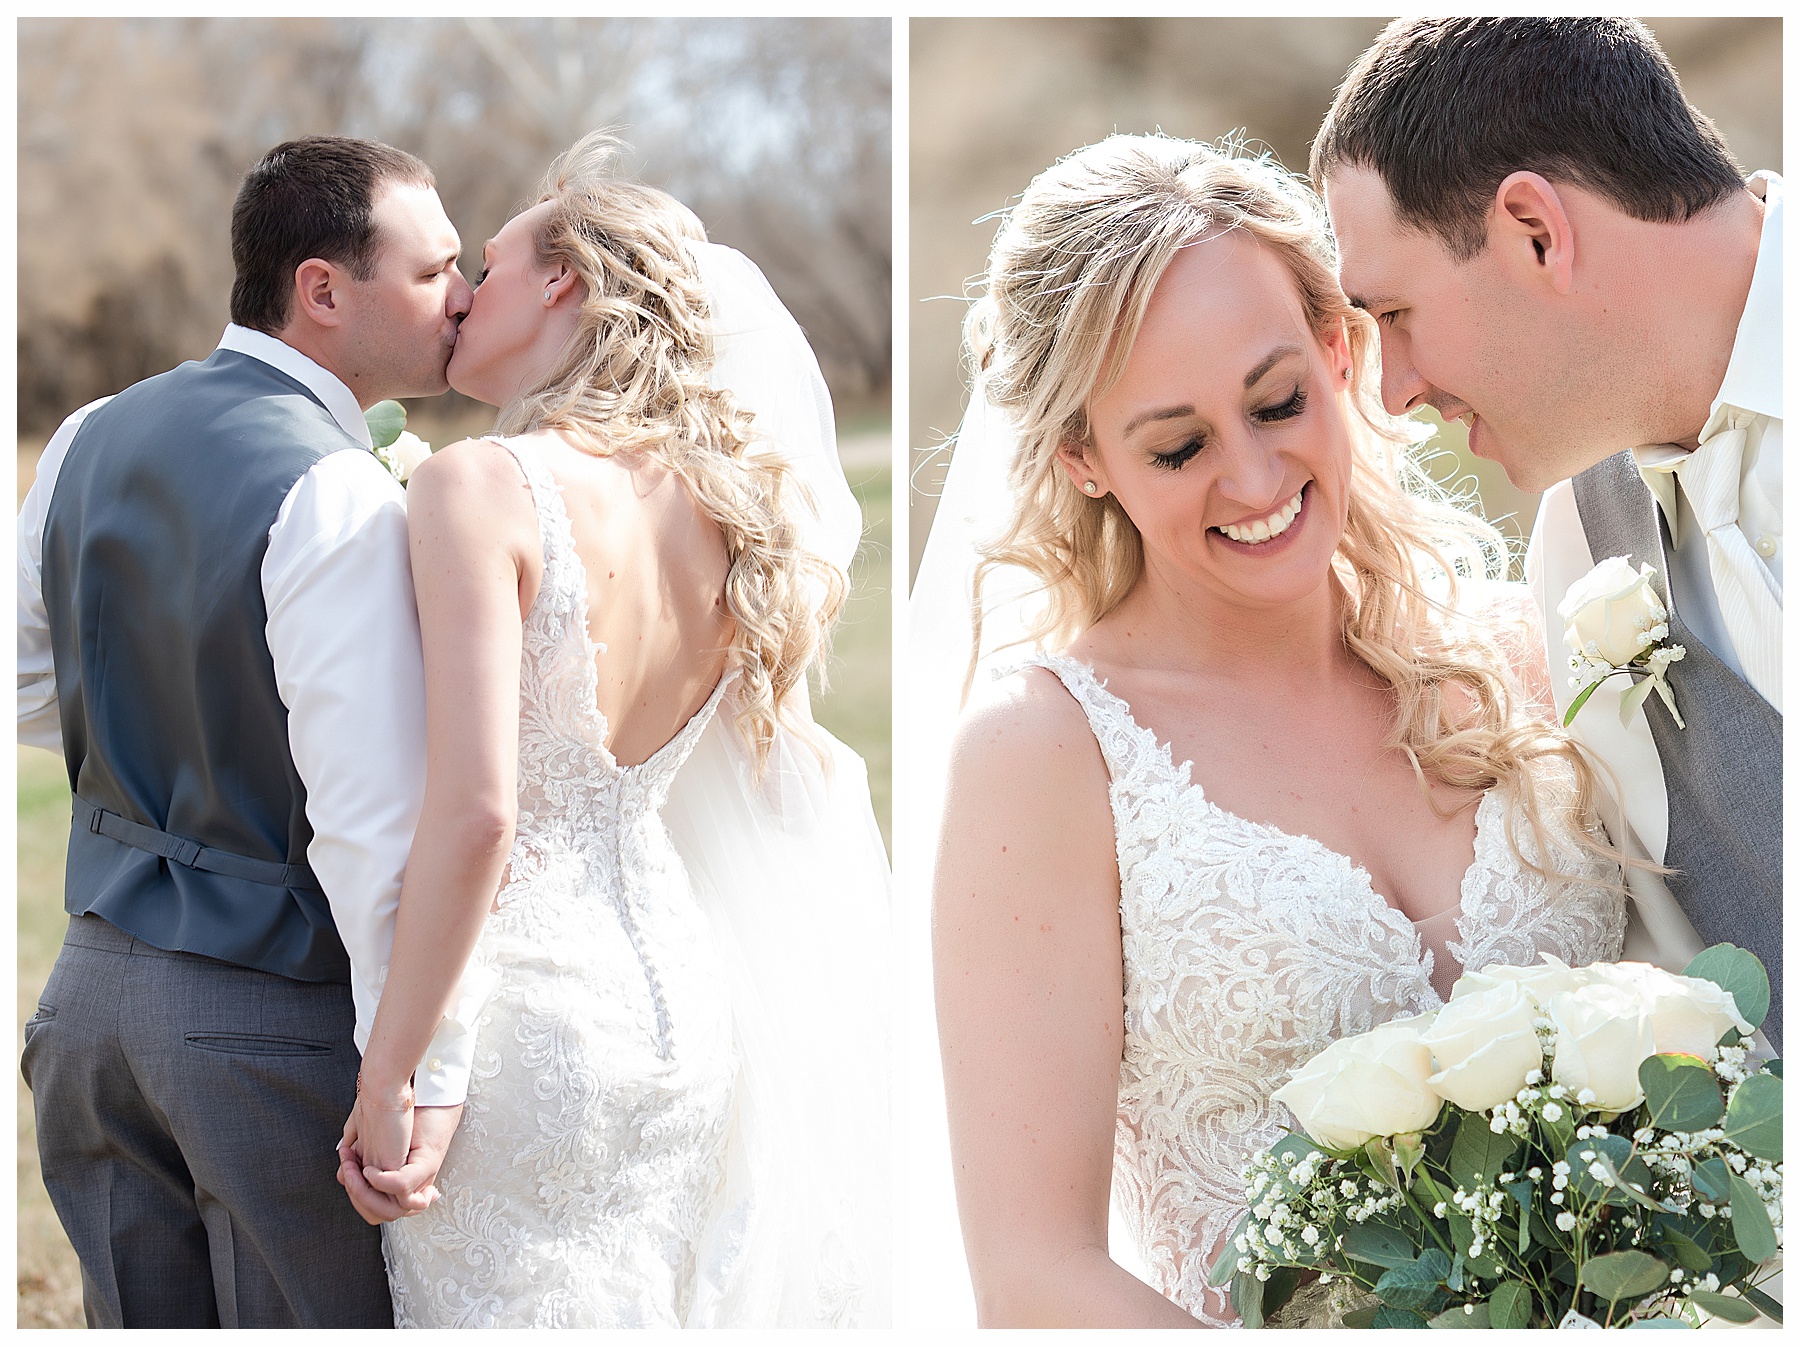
[1223,437]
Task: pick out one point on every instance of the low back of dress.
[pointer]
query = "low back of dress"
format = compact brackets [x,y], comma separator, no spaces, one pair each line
[587,1183]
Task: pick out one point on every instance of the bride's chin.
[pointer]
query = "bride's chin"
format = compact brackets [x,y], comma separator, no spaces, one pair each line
[460,381]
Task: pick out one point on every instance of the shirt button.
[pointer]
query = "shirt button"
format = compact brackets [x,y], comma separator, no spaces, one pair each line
[435,1063]
[1765,546]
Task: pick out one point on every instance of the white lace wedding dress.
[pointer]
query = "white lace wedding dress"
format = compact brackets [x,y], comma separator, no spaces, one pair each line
[1247,950]
[587,1184]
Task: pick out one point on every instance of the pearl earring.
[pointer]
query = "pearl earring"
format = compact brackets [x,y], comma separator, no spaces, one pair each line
[1091,487]
[546,296]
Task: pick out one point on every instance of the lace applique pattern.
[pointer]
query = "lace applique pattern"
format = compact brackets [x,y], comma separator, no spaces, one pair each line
[589,1169]
[1246,950]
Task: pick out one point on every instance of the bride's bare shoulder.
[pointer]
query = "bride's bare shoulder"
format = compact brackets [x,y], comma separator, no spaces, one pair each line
[473,489]
[1025,727]
[469,465]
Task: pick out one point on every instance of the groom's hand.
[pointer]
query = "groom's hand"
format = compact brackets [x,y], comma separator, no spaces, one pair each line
[381,1196]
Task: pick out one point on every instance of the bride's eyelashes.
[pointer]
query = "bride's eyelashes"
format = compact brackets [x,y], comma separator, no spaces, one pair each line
[1285,411]
[481,277]
[1176,459]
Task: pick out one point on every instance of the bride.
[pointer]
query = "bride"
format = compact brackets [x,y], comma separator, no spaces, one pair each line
[1280,767]
[628,812]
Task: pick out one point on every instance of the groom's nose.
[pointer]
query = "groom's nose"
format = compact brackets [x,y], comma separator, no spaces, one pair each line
[1402,388]
[461,295]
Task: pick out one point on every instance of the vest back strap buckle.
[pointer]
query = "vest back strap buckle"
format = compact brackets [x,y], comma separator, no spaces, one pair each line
[191,854]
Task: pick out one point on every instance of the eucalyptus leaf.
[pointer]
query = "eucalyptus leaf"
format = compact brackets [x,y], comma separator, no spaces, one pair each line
[1687,1254]
[1389,1317]
[1712,1180]
[1738,971]
[1463,1315]
[1770,1306]
[1753,1121]
[1774,1067]
[1479,1151]
[386,421]
[1521,1193]
[1623,1275]
[1363,1317]
[1729,1307]
[1680,1092]
[1510,1305]
[1279,1288]
[1246,1300]
[1411,1285]
[1463,1233]
[1379,1245]
[1226,1266]
[1664,1323]
[1750,1223]
[1626,1178]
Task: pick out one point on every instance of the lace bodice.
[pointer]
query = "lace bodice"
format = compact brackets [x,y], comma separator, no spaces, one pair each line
[1246,950]
[586,1185]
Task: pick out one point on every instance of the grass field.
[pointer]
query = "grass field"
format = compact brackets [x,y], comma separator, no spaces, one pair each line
[856,710]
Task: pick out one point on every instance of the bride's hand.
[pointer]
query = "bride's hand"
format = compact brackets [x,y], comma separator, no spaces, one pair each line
[380,1126]
[384,1195]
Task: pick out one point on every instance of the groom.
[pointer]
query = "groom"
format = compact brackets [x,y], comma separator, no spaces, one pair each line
[1560,251]
[217,631]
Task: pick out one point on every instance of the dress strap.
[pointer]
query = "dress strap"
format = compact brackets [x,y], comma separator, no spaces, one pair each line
[1133,754]
[562,592]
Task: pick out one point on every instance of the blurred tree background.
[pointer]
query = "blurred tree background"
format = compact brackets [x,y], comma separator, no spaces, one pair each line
[135,133]
[994,101]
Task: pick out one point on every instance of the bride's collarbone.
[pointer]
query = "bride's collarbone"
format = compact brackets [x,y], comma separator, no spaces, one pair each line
[1322,771]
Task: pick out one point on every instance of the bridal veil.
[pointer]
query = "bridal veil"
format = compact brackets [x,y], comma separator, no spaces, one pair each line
[793,877]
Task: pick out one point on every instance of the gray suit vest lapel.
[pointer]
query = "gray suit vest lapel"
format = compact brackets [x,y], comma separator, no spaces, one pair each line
[1723,772]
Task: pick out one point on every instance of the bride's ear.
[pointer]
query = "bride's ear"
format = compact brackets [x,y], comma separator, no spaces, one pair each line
[561,281]
[1336,341]
[1083,468]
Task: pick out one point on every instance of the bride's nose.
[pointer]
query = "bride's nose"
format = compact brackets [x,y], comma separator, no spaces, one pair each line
[1252,476]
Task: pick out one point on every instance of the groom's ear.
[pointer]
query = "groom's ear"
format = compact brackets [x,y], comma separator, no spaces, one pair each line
[318,293]
[1531,231]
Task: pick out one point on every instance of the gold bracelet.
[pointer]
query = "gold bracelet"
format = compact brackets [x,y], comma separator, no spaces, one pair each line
[407,1092]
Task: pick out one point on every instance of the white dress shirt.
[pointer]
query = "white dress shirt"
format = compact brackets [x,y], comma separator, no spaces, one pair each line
[343,633]
[1723,505]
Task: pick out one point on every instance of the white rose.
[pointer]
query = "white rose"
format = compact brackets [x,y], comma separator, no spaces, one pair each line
[1611,607]
[1687,1014]
[1540,980]
[407,452]
[1483,1044]
[1366,1086]
[1603,1034]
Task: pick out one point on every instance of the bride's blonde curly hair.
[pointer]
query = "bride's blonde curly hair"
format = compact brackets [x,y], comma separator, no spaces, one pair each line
[633,380]
[1070,276]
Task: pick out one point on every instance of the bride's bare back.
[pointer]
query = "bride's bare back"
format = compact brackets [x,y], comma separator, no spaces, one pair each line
[656,568]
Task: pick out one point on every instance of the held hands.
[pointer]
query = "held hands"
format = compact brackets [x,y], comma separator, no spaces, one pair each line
[390,1154]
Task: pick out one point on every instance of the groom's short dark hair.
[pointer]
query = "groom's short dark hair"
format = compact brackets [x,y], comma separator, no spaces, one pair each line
[1445,109]
[312,197]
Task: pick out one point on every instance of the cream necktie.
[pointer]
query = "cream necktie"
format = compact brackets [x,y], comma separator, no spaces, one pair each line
[1748,605]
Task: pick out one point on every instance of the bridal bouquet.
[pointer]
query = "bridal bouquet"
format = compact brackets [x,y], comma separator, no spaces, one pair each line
[1555,1147]
[395,447]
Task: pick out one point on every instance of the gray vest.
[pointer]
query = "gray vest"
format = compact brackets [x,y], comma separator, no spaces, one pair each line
[1723,771]
[190,826]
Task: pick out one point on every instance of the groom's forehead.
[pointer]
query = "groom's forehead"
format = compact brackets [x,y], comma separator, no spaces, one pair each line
[412,216]
[1374,247]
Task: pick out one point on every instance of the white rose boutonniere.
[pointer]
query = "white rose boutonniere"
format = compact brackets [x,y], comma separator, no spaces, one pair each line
[1613,623]
[395,447]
